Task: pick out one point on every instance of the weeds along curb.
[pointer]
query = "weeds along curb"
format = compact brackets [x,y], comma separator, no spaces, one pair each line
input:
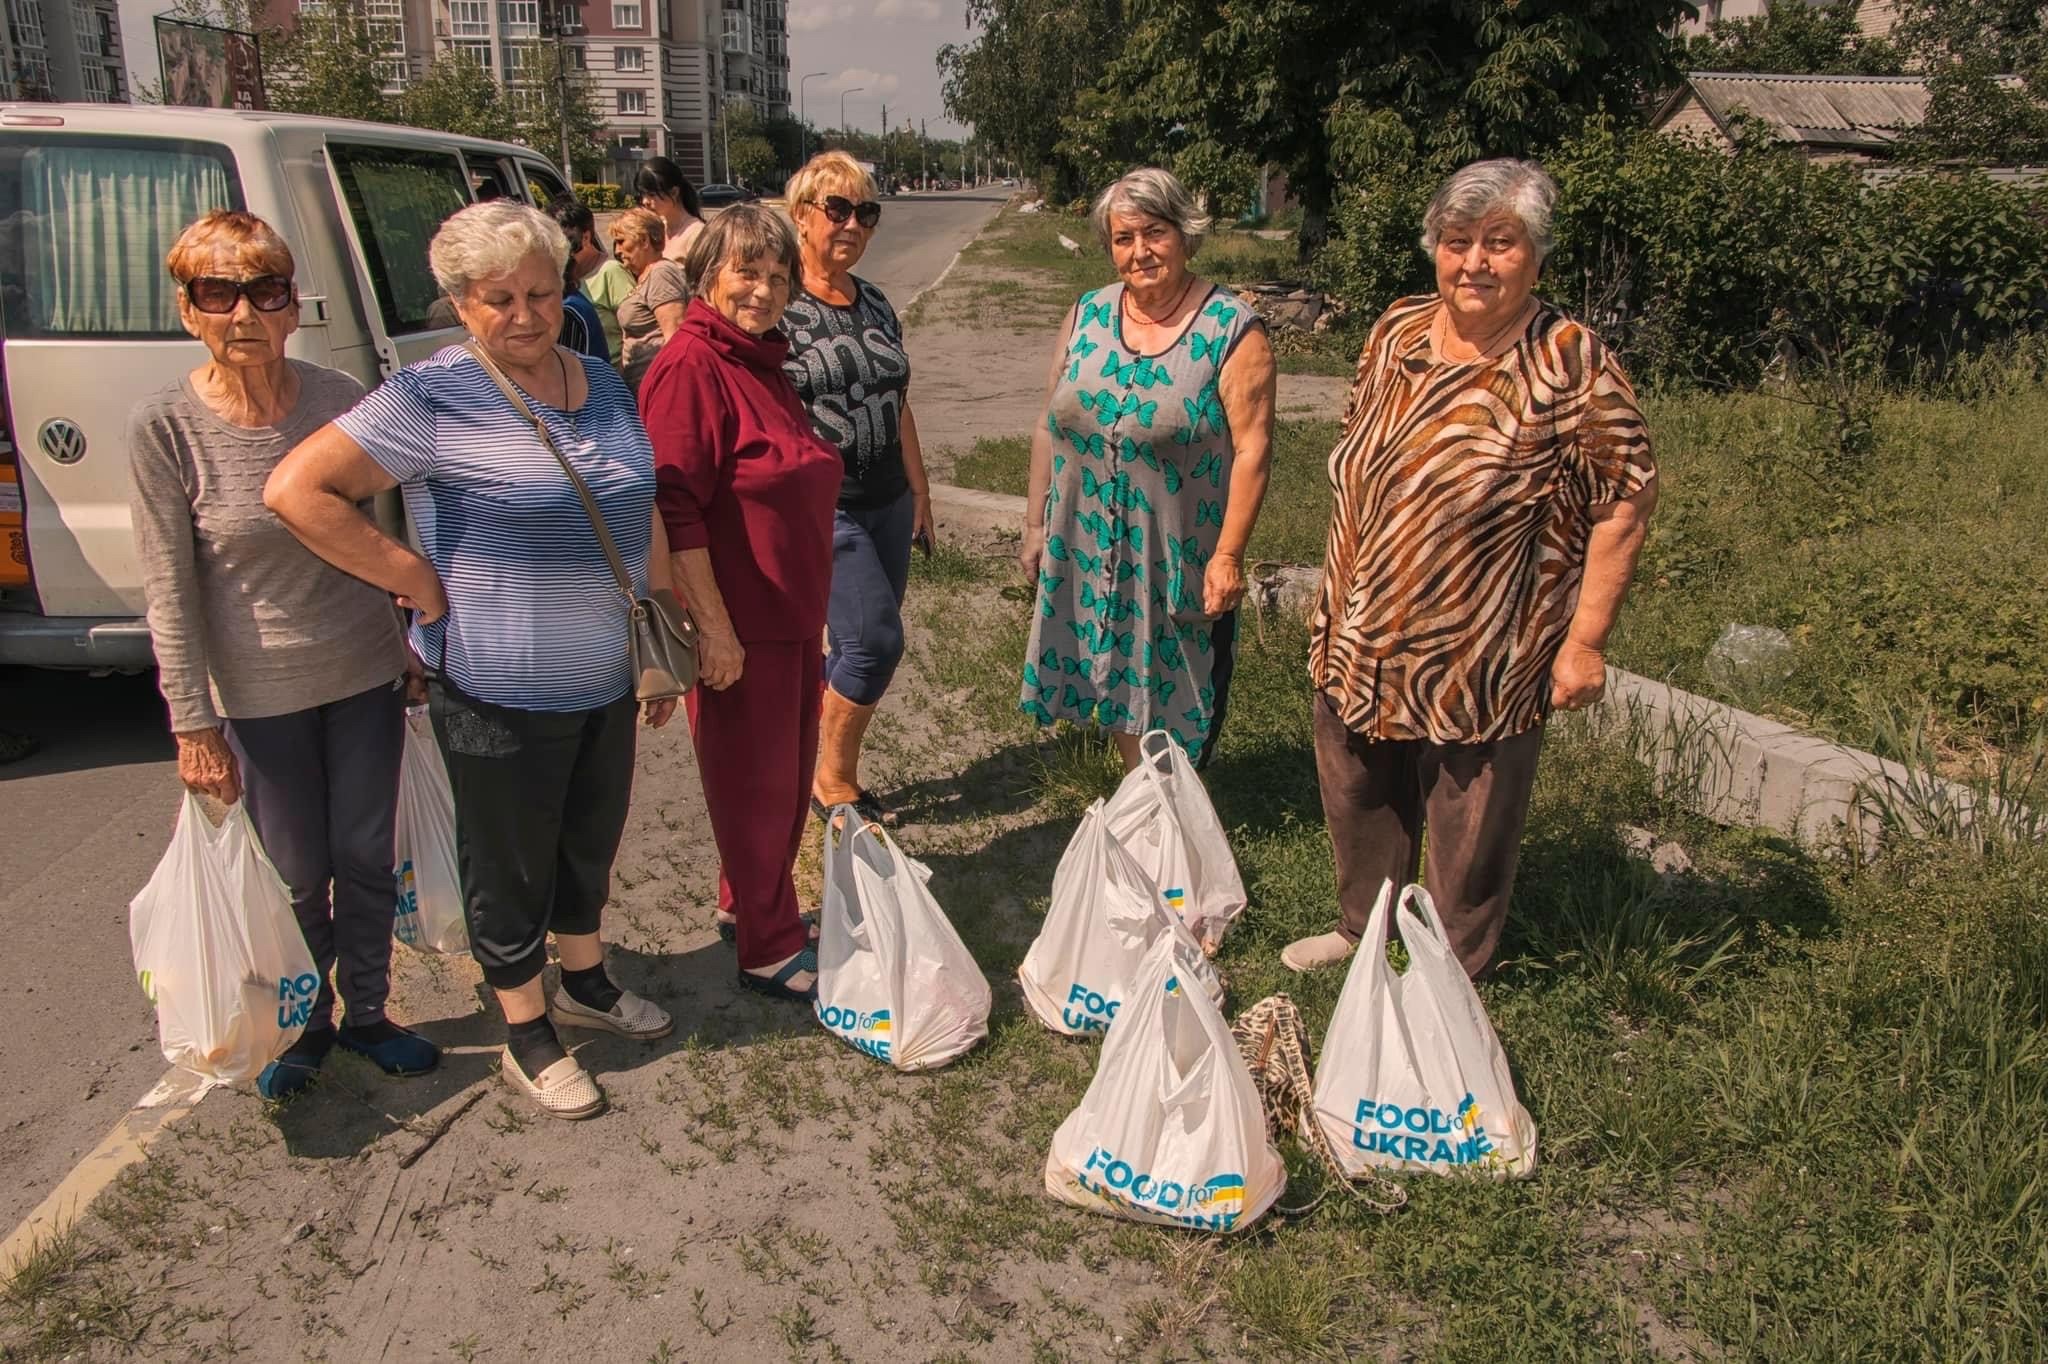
[1733,767]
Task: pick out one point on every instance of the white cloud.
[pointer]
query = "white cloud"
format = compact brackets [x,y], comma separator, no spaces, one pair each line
[875,83]
[806,16]
[922,10]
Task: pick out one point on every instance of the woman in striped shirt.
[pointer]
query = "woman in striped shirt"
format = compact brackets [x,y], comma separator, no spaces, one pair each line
[1492,487]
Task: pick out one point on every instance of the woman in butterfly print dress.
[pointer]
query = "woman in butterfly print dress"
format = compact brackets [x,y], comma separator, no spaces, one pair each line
[1146,481]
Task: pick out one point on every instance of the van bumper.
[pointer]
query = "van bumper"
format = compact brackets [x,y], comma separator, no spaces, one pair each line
[75,642]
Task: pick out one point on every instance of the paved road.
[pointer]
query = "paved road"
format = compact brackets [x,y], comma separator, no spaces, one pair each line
[83,822]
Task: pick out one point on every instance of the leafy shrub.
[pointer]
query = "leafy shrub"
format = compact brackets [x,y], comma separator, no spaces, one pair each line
[1704,268]
[603,198]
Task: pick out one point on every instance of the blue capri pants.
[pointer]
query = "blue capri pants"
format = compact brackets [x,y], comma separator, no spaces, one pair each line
[864,621]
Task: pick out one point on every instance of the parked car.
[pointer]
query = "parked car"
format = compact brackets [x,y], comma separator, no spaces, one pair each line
[91,198]
[724,196]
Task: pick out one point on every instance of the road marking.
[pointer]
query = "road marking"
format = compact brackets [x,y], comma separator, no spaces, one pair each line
[942,276]
[177,1094]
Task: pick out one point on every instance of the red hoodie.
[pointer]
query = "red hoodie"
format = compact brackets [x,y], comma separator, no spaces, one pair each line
[739,471]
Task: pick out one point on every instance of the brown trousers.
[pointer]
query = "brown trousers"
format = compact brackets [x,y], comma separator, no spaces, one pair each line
[1381,795]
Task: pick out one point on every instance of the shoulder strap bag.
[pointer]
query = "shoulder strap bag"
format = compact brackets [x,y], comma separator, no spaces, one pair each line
[661,636]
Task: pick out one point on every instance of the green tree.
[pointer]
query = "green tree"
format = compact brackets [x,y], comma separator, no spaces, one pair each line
[323,66]
[1325,87]
[1969,47]
[1028,65]
[1795,39]
[556,98]
[456,95]
[786,136]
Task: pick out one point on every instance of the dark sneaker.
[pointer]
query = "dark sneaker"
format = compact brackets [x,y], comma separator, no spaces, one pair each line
[295,1071]
[394,1050]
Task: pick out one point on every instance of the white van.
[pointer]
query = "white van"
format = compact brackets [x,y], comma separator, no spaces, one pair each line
[91,198]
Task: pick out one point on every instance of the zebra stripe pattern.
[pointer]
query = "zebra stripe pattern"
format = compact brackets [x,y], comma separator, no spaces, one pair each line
[1461,504]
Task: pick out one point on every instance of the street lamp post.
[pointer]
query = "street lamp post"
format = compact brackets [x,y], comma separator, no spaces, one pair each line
[803,143]
[842,104]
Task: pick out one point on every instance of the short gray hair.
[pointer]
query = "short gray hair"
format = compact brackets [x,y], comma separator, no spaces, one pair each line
[489,240]
[736,236]
[1153,193]
[1484,188]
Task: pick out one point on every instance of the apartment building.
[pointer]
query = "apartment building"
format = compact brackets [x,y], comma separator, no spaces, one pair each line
[661,69]
[62,50]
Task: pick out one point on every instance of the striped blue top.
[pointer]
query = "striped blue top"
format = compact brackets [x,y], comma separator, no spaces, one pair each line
[535,618]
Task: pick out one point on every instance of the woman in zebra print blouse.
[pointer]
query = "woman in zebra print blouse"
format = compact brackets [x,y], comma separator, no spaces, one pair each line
[1492,489]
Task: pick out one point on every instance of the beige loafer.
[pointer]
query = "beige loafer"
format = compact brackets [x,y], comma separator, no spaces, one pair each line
[632,1016]
[563,1090]
[1310,954]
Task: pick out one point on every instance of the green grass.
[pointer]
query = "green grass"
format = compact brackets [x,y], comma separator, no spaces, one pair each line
[1789,1109]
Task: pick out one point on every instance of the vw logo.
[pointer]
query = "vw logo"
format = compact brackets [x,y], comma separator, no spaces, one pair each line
[62,441]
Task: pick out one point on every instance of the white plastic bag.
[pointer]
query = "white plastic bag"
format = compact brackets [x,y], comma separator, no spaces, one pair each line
[1105,914]
[1163,816]
[429,910]
[894,979]
[1170,1130]
[219,951]
[1412,1075]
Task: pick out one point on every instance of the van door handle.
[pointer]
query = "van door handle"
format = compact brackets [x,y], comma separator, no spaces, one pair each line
[312,310]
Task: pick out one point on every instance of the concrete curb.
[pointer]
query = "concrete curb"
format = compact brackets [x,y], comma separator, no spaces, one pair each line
[1744,769]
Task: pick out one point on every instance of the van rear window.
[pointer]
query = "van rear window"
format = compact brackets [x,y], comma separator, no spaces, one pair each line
[85,223]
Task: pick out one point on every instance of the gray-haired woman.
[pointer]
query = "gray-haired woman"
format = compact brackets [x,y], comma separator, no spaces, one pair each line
[1146,480]
[1493,484]
[520,620]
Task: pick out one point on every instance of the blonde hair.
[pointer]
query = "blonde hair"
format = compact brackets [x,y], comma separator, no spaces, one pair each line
[742,233]
[825,172]
[492,239]
[256,245]
[642,224]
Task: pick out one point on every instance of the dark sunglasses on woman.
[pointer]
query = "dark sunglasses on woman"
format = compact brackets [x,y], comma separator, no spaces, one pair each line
[838,208]
[212,294]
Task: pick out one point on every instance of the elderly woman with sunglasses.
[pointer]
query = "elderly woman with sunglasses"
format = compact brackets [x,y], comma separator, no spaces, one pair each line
[282,673]
[847,360]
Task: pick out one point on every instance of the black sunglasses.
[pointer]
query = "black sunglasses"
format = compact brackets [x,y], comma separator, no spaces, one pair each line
[212,294]
[839,208]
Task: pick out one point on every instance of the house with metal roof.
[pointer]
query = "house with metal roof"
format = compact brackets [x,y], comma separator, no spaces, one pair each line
[1830,118]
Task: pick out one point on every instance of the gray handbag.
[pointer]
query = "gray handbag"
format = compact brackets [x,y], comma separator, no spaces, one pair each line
[661,636]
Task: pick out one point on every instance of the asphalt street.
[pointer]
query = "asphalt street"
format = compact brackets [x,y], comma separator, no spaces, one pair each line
[84,820]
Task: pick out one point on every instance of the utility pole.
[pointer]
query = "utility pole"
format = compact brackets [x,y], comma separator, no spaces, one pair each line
[556,22]
[924,157]
[885,142]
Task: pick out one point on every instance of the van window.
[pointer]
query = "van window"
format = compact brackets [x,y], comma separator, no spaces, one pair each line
[397,197]
[85,224]
[542,184]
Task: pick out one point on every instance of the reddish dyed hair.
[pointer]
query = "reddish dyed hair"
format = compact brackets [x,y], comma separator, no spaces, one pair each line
[255,244]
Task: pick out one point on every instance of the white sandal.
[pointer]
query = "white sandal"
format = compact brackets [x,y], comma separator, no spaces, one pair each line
[563,1090]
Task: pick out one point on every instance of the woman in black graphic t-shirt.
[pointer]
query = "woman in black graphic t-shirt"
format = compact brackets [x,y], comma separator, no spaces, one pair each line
[847,360]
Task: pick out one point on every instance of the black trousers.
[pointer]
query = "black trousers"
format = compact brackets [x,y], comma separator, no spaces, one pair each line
[540,806]
[321,787]
[1223,639]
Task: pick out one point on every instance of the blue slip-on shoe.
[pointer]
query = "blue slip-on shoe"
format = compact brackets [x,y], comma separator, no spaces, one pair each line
[295,1071]
[394,1050]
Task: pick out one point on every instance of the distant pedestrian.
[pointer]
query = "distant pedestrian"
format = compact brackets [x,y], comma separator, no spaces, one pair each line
[747,491]
[664,190]
[847,359]
[1493,484]
[582,332]
[651,313]
[283,673]
[1146,480]
[519,618]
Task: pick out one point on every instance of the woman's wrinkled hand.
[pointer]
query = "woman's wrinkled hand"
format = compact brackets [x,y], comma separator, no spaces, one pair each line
[720,659]
[207,765]
[1578,678]
[1030,552]
[1222,584]
[924,528]
[655,714]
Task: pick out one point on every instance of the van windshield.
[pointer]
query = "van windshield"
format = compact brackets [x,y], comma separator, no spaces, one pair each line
[85,223]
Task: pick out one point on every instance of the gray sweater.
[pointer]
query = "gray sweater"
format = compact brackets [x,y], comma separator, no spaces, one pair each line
[247,621]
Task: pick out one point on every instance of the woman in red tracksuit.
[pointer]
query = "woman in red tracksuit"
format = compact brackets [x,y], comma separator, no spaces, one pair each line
[747,492]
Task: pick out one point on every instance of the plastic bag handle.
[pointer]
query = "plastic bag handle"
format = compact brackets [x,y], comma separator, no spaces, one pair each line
[843,825]
[1417,904]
